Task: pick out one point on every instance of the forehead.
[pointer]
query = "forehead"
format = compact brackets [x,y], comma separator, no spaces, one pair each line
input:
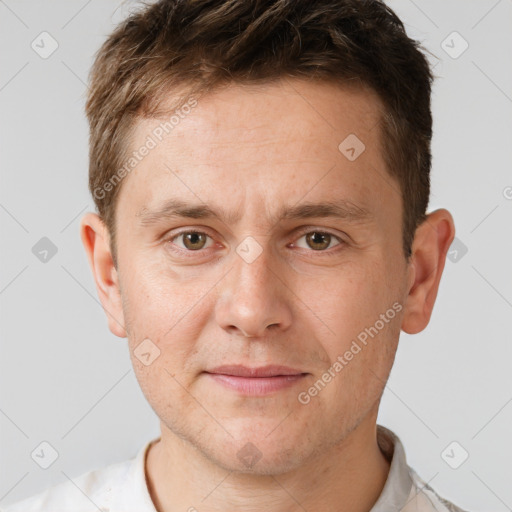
[292,109]
[274,142]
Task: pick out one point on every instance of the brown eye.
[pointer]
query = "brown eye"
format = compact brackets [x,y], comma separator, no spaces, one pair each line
[192,240]
[318,241]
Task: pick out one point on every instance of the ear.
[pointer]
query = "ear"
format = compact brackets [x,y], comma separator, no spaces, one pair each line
[96,241]
[431,243]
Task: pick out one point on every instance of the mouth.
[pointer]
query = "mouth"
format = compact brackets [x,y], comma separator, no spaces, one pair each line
[256,381]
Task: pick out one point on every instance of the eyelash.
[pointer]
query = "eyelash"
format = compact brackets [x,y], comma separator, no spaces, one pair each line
[189,253]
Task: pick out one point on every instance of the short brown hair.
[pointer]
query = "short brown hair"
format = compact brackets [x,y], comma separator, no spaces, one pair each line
[195,46]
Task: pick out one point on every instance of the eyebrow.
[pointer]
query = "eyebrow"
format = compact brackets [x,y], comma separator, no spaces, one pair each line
[176,208]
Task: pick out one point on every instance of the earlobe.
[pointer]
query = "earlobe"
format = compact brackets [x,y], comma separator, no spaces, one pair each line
[95,240]
[431,243]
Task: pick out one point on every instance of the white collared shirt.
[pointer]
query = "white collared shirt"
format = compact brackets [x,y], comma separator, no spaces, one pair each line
[122,487]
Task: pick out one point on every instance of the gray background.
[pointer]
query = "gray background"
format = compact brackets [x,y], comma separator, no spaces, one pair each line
[65,379]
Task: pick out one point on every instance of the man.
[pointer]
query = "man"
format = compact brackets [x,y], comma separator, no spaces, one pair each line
[261,174]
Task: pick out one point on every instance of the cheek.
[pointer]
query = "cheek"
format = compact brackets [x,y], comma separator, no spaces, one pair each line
[160,294]
[169,313]
[348,297]
[357,305]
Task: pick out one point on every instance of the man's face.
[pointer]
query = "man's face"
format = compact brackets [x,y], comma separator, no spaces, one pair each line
[195,288]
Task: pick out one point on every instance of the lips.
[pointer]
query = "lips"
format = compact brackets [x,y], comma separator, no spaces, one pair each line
[262,371]
[260,381]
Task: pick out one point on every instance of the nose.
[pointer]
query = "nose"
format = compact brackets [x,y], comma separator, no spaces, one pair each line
[252,299]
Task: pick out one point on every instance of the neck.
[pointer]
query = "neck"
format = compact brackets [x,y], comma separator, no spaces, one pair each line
[348,477]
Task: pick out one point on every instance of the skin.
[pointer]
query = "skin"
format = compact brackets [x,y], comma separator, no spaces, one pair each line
[252,151]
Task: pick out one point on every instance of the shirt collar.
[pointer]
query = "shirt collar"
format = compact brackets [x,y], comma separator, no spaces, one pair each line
[399,483]
[393,497]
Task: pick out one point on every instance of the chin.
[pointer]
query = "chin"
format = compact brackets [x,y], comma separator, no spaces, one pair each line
[259,451]
[252,460]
